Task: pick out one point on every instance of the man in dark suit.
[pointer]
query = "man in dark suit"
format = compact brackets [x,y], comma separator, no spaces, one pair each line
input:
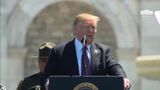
[66,58]
[33,82]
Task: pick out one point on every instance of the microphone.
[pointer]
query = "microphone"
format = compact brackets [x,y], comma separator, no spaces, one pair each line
[84,40]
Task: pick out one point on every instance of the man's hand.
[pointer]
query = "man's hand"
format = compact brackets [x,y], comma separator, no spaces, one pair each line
[127,84]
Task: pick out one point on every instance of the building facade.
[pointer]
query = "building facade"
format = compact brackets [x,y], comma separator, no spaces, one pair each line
[25,24]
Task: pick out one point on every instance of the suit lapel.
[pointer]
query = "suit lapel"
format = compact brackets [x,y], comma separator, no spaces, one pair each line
[71,59]
[95,57]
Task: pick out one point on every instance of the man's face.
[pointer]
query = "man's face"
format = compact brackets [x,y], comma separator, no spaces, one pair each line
[88,28]
[42,64]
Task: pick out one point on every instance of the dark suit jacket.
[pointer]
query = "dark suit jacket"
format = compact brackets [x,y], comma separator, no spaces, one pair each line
[29,82]
[63,61]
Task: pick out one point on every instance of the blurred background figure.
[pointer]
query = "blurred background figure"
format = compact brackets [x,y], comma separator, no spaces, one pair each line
[2,87]
[33,82]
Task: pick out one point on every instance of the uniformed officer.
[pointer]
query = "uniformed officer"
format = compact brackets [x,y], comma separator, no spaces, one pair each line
[33,82]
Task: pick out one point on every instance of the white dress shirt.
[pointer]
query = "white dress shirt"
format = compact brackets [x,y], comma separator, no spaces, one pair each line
[79,46]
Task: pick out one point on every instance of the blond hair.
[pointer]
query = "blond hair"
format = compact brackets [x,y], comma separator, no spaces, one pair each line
[85,16]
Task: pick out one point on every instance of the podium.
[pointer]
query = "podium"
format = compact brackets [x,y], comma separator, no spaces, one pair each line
[85,83]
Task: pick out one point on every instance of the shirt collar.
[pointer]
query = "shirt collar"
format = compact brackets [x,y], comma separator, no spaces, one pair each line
[79,45]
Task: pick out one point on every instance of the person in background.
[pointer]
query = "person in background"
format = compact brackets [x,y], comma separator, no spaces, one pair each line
[66,58]
[2,87]
[33,82]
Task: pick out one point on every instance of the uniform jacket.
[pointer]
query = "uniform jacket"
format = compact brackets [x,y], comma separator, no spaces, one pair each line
[29,82]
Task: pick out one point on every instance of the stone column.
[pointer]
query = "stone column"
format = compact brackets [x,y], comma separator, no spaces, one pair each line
[15,60]
[3,46]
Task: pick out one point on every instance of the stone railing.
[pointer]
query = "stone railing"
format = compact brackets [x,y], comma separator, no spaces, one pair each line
[149,66]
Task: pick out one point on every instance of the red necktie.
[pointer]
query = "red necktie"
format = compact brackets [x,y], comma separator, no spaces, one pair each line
[85,68]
